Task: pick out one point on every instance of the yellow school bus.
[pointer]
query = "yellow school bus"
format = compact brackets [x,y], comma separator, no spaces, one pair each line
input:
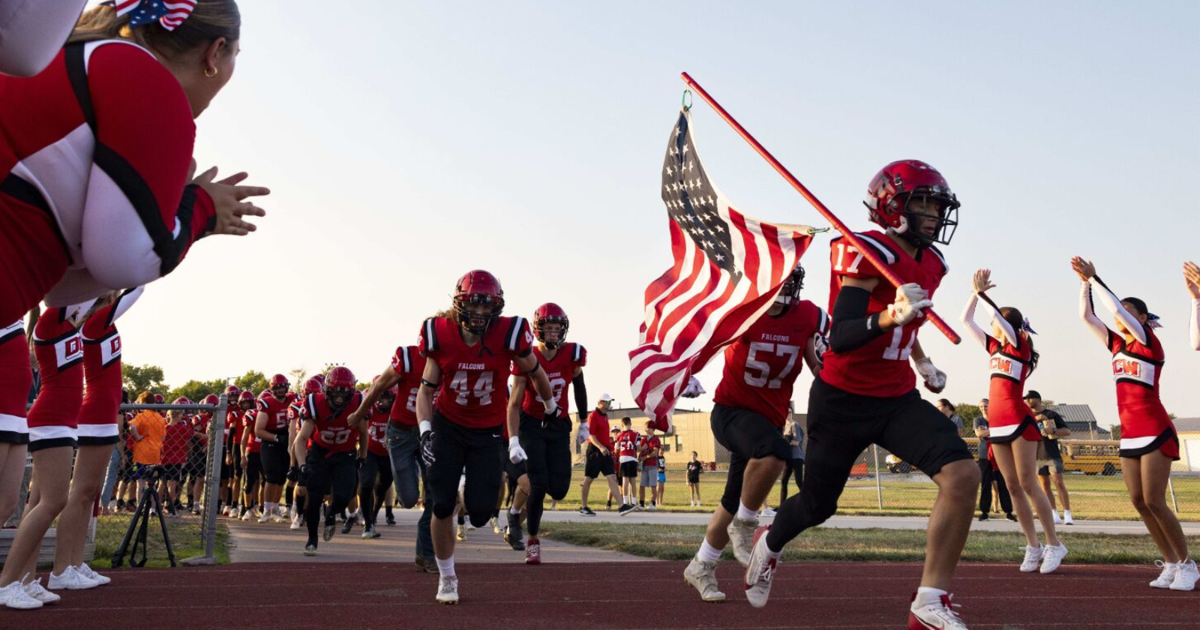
[1091,457]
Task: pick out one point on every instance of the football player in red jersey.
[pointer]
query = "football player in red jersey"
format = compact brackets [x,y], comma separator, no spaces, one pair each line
[468,354]
[231,413]
[295,422]
[199,456]
[404,441]
[749,412]
[250,446]
[546,441]
[1149,442]
[271,426]
[330,464]
[627,454]
[375,470]
[1014,432]
[866,390]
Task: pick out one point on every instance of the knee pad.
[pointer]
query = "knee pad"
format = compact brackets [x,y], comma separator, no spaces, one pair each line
[442,510]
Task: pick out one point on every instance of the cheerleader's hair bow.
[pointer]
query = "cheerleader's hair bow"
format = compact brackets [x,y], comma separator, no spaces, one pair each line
[1152,321]
[169,13]
[1027,327]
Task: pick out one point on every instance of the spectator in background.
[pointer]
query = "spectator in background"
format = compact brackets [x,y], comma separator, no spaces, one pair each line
[600,458]
[616,457]
[649,448]
[147,430]
[946,408]
[627,451]
[662,478]
[177,440]
[990,475]
[794,434]
[1050,463]
[694,469]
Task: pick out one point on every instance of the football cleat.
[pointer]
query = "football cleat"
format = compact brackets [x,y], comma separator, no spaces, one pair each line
[447,590]
[703,577]
[741,534]
[935,615]
[760,571]
[533,551]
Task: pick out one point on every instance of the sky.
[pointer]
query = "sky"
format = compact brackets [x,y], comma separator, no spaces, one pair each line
[409,142]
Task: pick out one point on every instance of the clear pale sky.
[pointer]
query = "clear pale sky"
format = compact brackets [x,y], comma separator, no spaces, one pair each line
[407,143]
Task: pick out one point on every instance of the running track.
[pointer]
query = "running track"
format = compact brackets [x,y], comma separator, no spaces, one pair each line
[603,595]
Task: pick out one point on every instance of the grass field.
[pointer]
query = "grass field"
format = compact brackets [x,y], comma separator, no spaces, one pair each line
[185,535]
[1092,497]
[822,544]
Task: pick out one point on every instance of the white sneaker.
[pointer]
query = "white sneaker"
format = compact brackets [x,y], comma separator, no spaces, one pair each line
[87,572]
[447,590]
[760,570]
[295,522]
[14,596]
[1052,557]
[265,516]
[703,576]
[1067,520]
[1164,579]
[741,535]
[248,515]
[495,523]
[71,580]
[766,512]
[35,590]
[1033,557]
[1057,519]
[936,615]
[1186,576]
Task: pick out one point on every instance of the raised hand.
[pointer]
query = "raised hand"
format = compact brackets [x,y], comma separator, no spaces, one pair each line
[983,280]
[229,200]
[1191,274]
[1083,268]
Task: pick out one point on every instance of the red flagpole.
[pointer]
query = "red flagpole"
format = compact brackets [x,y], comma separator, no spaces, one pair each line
[867,252]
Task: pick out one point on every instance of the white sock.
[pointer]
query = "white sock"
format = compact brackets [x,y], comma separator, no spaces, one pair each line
[446,567]
[515,511]
[1066,513]
[927,595]
[708,553]
[746,513]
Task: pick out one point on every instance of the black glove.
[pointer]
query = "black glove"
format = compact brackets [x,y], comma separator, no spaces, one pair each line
[293,474]
[427,448]
[305,472]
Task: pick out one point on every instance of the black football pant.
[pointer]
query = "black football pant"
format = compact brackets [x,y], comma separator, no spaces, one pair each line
[329,473]
[548,466]
[479,452]
[373,480]
[986,477]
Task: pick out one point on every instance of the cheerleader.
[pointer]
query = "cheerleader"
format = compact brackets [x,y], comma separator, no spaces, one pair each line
[1014,432]
[15,381]
[1148,440]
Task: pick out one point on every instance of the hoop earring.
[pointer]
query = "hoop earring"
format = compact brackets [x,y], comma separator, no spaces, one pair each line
[213,72]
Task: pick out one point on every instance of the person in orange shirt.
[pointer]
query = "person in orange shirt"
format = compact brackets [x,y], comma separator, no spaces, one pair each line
[148,429]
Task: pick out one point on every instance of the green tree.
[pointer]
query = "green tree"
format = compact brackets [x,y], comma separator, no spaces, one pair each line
[252,381]
[968,413]
[298,377]
[143,378]
[195,390]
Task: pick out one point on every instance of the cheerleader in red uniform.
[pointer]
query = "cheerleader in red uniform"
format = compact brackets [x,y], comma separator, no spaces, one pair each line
[1014,432]
[1149,442]
[15,381]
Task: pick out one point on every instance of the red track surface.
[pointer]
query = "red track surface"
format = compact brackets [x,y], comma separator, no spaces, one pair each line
[617,595]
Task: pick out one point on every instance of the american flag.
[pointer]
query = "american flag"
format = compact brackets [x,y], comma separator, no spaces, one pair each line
[170,13]
[728,269]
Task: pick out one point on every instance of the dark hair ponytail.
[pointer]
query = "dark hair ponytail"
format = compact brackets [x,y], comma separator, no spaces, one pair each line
[1016,319]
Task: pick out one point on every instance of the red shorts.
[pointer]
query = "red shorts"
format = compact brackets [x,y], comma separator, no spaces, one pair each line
[15,381]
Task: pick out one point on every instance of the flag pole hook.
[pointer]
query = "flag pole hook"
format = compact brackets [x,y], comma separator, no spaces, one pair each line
[687,100]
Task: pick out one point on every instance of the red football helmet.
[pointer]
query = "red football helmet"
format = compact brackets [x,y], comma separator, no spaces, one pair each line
[312,386]
[245,397]
[477,288]
[181,401]
[320,378]
[387,398]
[158,399]
[279,385]
[232,392]
[210,399]
[339,386]
[550,313]
[897,185]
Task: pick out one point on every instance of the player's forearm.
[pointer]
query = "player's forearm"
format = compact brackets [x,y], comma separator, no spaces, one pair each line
[581,399]
[852,327]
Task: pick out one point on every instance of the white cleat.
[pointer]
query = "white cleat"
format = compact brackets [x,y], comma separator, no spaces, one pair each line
[265,517]
[1164,579]
[936,615]
[760,570]
[295,523]
[447,590]
[703,577]
[87,572]
[14,596]
[71,580]
[1186,576]
[35,590]
[741,536]
[766,512]
[1052,557]
[1033,557]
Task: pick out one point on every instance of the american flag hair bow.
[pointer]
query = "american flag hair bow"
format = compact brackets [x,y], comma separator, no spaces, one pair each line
[169,13]
[1027,327]
[1153,321]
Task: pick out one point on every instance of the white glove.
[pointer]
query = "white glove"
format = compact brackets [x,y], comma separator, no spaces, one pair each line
[694,389]
[935,379]
[551,410]
[515,452]
[911,299]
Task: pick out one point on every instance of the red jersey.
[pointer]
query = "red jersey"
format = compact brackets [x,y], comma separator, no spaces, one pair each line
[94,155]
[598,427]
[1137,370]
[233,426]
[376,427]
[1010,367]
[332,428]
[649,444]
[409,365]
[15,381]
[560,371]
[276,410]
[473,393]
[199,424]
[762,366]
[295,417]
[59,351]
[253,442]
[627,444]
[176,441]
[880,368]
